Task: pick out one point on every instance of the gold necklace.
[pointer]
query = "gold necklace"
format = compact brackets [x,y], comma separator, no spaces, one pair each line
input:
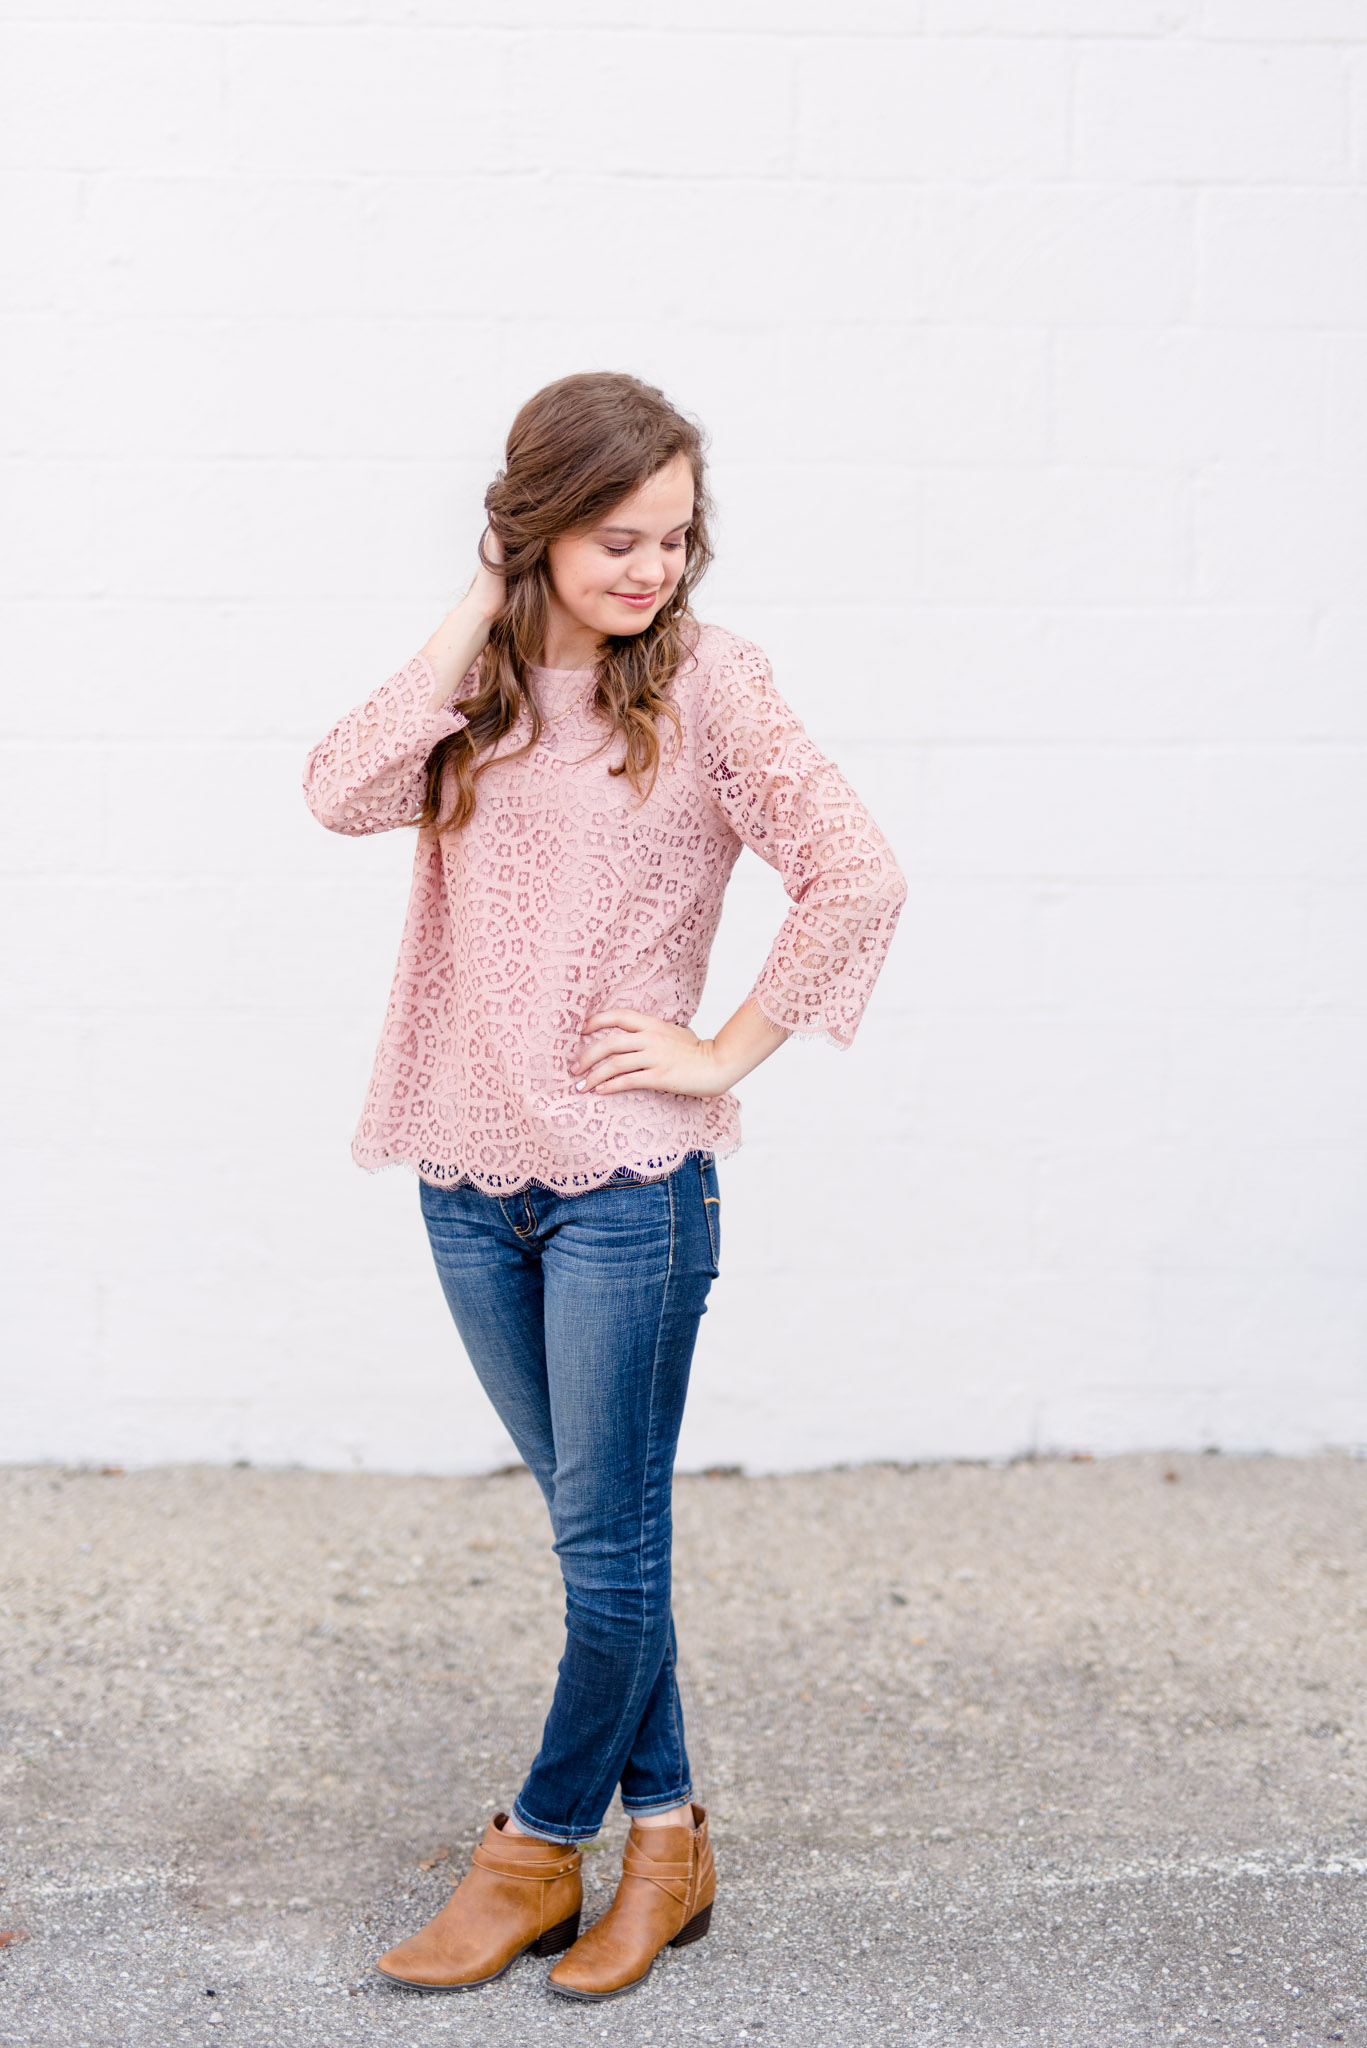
[578,701]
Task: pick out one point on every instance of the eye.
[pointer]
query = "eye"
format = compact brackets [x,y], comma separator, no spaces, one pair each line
[616,551]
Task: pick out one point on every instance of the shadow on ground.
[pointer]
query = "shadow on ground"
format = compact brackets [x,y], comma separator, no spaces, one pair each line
[1049,1752]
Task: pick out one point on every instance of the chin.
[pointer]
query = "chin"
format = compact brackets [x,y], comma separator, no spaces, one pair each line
[623,624]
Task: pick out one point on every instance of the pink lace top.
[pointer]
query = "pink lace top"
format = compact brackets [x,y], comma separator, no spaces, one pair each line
[566,894]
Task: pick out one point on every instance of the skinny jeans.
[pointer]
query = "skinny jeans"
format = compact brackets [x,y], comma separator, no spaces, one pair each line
[579,1314]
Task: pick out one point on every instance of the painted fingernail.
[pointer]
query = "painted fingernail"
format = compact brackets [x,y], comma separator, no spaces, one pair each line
[581,1084]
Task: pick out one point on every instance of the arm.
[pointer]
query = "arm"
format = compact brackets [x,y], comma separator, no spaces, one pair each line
[646,1052]
[792,806]
[788,802]
[370,772]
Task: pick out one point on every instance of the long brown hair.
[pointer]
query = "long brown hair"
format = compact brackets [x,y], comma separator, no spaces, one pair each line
[575,450]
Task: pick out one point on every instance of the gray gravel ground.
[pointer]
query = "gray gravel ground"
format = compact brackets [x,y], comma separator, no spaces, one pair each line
[1048,1752]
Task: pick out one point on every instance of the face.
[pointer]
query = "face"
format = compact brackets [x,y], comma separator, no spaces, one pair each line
[612,578]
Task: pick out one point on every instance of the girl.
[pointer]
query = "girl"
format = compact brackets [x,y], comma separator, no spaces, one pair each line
[584,761]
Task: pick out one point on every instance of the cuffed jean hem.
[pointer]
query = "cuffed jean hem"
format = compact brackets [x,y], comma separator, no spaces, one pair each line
[546,1832]
[658,1805]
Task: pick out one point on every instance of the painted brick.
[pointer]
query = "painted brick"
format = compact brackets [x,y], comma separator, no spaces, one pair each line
[54,1324]
[1227,112]
[49,530]
[1139,948]
[932,109]
[122,669]
[362,101]
[1288,1079]
[51,1104]
[807,17]
[1116,254]
[1302,533]
[1332,21]
[1051,812]
[1183,394]
[1009,19]
[1062,535]
[60,109]
[1345,431]
[225,530]
[1251,669]
[1283,811]
[1356,67]
[727,111]
[1039,473]
[175,387]
[40,220]
[1290,258]
[1336,944]
[920,394]
[211,12]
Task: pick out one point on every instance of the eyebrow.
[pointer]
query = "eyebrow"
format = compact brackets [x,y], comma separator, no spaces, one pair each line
[638,532]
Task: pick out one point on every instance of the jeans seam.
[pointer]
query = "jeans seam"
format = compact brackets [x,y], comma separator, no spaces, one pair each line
[674,1685]
[709,1203]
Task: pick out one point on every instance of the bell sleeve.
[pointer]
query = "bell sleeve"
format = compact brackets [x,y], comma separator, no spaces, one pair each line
[783,798]
[370,773]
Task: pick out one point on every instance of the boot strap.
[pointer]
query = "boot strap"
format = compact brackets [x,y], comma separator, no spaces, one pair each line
[541,1874]
[671,1878]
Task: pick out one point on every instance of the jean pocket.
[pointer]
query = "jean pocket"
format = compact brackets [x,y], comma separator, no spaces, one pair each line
[711,1204]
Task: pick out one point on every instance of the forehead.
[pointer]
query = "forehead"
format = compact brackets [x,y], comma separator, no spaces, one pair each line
[661,503]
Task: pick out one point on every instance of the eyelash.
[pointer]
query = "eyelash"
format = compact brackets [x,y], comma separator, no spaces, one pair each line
[627,550]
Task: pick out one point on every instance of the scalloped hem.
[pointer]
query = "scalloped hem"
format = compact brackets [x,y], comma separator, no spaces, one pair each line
[812,1033]
[371,1164]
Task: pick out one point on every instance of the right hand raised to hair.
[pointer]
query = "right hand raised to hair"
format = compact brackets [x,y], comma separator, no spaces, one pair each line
[488,589]
[463,632]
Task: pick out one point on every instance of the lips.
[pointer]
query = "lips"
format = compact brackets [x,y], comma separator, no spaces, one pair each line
[639,604]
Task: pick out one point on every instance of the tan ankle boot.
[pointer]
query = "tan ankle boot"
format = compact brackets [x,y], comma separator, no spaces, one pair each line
[519,1893]
[668,1885]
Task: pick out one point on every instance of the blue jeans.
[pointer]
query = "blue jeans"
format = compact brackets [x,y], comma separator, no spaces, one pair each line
[579,1313]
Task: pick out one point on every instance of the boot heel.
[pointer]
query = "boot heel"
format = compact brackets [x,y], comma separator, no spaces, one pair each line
[696,1928]
[556,1940]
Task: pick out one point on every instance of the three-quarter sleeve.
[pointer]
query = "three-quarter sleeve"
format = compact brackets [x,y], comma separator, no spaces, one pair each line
[783,798]
[370,773]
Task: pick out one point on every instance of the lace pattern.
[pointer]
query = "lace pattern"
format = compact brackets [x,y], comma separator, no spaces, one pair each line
[566,893]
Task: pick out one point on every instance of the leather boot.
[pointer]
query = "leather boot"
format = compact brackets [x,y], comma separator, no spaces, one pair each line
[668,1884]
[519,1893]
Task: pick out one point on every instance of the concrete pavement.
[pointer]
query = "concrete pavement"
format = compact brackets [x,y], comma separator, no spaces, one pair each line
[1049,1752]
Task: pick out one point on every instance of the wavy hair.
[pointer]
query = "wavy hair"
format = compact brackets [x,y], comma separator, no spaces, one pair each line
[575,451]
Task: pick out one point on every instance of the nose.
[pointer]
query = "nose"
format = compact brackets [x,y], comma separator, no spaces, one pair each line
[647,572]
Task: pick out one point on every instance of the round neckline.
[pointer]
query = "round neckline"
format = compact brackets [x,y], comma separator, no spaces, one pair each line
[539,668]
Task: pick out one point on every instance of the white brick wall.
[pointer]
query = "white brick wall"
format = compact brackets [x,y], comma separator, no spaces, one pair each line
[1032,335]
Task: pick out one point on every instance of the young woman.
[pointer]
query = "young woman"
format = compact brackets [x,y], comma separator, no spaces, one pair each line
[584,762]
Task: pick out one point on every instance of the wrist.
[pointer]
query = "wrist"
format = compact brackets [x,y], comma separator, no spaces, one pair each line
[457,642]
[744,1041]
[479,608]
[725,1072]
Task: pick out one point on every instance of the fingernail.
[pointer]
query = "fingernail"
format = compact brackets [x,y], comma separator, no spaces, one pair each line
[579,1084]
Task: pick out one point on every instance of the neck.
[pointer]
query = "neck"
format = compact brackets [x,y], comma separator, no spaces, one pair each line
[567,644]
